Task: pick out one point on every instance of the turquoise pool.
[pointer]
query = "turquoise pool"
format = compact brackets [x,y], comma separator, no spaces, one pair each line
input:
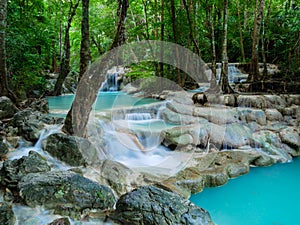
[265,196]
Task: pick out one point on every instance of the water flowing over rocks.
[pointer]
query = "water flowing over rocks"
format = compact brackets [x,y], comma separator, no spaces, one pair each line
[223,138]
[155,206]
[29,124]
[66,192]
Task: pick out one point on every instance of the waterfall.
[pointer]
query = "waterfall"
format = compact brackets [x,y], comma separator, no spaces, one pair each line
[138,116]
[110,83]
[234,74]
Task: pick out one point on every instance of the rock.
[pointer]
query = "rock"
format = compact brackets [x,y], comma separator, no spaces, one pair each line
[182,135]
[252,101]
[273,115]
[66,192]
[7,216]
[199,98]
[13,170]
[3,147]
[236,135]
[220,115]
[290,136]
[175,118]
[270,143]
[30,123]
[75,151]
[249,115]
[275,102]
[60,221]
[7,108]
[115,175]
[180,108]
[152,205]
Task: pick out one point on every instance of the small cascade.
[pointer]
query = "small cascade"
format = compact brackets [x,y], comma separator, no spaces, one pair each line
[111,83]
[24,150]
[234,74]
[138,116]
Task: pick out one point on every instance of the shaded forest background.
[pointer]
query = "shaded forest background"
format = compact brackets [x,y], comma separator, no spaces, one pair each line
[39,37]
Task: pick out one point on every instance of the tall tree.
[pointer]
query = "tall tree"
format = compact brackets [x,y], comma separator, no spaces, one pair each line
[85,55]
[224,84]
[65,63]
[162,37]
[211,27]
[240,32]
[120,36]
[3,70]
[191,27]
[254,67]
[174,29]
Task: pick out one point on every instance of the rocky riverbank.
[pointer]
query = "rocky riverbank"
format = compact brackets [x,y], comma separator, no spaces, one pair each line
[221,138]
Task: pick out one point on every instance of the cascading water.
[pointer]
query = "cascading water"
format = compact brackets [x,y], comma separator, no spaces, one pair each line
[234,74]
[138,116]
[110,83]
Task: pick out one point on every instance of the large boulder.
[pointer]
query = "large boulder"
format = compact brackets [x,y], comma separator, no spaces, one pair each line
[75,151]
[155,206]
[66,192]
[13,170]
[7,108]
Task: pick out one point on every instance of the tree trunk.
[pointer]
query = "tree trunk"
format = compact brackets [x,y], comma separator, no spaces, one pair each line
[240,32]
[85,55]
[224,84]
[210,22]
[191,27]
[254,67]
[120,36]
[162,34]
[173,15]
[263,51]
[65,61]
[3,70]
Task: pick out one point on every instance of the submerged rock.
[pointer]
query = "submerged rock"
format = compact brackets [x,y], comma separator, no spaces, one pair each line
[66,192]
[7,216]
[155,206]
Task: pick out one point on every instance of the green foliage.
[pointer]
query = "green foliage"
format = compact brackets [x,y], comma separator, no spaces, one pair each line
[28,40]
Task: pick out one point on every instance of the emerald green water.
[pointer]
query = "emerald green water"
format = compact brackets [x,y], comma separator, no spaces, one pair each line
[105,100]
[265,196]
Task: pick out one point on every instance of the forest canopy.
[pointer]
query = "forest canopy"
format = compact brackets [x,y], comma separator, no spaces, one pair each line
[46,36]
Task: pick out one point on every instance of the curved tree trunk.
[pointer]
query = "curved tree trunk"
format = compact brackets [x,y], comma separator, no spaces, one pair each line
[65,63]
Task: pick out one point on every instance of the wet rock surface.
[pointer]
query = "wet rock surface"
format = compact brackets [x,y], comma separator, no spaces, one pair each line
[75,151]
[152,205]
[66,192]
[6,214]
